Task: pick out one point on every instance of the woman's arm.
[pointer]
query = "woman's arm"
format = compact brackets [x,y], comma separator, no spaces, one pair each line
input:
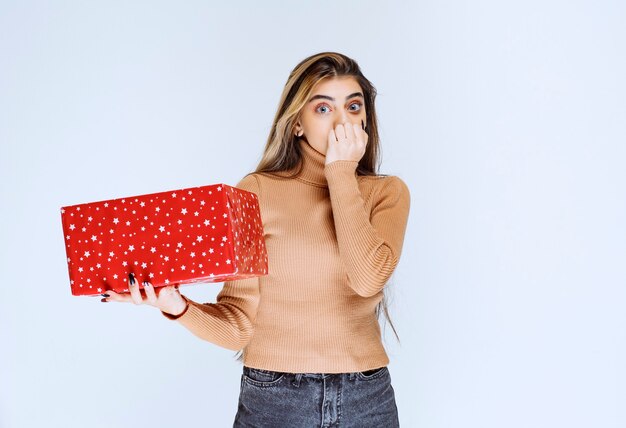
[369,243]
[229,322]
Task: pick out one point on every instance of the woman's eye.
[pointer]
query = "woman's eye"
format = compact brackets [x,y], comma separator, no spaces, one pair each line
[356,104]
[321,107]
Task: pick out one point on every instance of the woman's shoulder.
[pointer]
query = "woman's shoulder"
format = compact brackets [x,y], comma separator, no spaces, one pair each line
[257,179]
[385,186]
[384,181]
[254,181]
[249,182]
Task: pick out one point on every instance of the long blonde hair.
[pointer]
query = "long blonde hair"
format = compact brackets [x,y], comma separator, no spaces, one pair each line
[282,153]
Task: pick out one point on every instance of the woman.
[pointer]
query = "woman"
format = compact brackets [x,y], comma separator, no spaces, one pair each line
[334,229]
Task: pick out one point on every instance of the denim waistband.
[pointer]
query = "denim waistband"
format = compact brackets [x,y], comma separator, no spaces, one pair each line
[306,375]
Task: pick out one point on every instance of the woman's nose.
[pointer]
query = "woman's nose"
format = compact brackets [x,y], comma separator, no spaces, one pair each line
[342,119]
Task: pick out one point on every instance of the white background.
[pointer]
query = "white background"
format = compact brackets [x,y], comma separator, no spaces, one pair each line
[506,120]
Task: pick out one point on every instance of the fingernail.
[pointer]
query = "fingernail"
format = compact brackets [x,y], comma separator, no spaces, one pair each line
[362,125]
[104,300]
[131,277]
[105,295]
[146,284]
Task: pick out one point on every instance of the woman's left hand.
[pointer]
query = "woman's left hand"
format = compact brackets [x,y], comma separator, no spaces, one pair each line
[346,142]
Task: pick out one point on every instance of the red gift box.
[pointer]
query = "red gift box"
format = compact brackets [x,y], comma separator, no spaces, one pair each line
[200,234]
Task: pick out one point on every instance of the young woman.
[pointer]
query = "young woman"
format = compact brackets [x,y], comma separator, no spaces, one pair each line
[334,229]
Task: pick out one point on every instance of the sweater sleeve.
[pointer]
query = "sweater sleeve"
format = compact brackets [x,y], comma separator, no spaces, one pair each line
[369,243]
[229,322]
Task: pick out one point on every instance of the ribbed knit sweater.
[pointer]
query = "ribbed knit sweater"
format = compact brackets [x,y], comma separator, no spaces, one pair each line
[333,239]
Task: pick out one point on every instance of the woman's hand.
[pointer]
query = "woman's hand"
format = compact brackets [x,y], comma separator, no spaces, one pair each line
[168,299]
[346,142]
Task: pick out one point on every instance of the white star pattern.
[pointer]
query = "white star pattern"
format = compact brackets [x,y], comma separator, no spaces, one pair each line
[159,247]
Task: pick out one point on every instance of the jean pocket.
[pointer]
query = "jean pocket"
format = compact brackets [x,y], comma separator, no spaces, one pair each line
[372,374]
[260,377]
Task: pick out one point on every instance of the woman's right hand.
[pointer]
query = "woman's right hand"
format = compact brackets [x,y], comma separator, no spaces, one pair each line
[168,299]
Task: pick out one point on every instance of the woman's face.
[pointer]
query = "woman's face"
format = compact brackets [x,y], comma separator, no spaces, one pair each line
[334,101]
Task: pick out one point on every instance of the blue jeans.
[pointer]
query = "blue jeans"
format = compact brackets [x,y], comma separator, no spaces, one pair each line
[305,400]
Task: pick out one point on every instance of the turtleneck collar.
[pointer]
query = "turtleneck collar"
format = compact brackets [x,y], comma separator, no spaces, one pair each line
[313,163]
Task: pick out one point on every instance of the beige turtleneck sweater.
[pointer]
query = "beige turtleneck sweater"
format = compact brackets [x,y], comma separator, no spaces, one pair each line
[333,240]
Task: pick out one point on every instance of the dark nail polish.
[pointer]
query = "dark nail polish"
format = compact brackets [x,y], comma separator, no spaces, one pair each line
[362,125]
[131,277]
[104,300]
[105,295]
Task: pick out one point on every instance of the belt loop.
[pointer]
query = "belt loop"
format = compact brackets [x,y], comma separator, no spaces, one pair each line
[296,381]
[351,375]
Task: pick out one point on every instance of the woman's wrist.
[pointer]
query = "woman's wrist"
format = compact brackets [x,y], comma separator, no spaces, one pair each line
[180,310]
